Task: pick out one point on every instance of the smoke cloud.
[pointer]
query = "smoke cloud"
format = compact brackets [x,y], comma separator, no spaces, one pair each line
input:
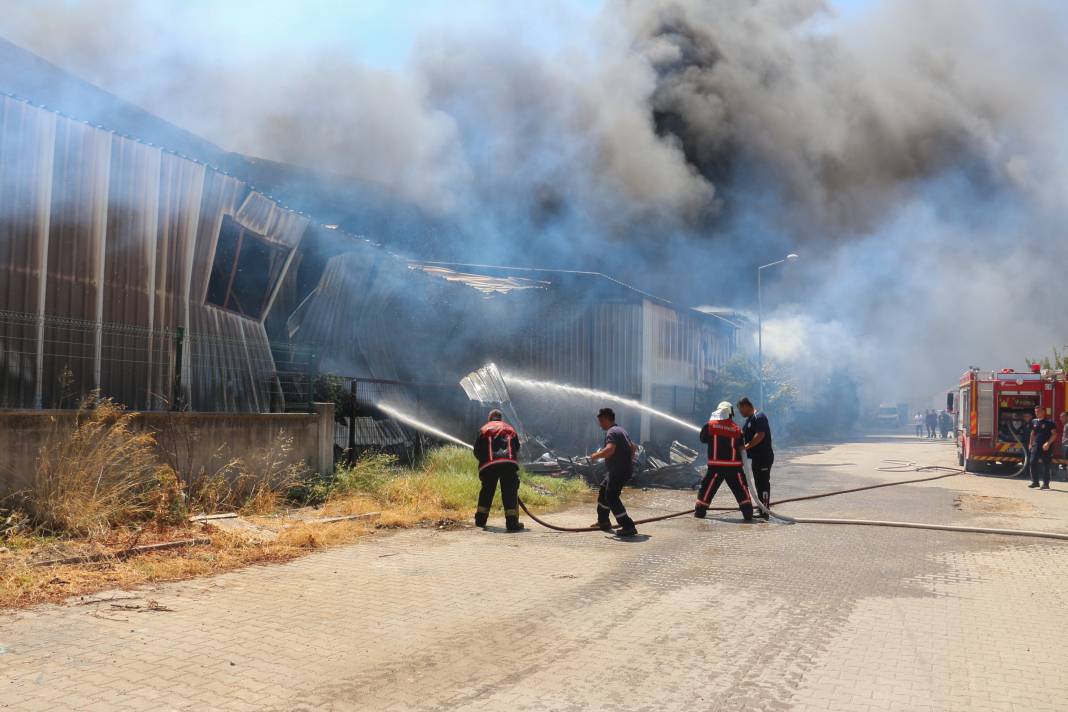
[912,152]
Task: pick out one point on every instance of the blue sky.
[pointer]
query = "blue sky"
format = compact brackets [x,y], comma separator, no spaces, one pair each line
[382,32]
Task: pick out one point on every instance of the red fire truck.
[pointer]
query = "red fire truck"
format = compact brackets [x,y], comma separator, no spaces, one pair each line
[995,405]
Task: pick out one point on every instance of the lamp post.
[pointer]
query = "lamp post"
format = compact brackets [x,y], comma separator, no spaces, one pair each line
[760,322]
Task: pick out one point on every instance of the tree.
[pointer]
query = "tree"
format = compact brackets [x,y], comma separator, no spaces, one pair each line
[739,377]
[1059,362]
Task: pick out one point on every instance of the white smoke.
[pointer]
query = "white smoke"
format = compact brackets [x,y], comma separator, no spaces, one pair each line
[913,152]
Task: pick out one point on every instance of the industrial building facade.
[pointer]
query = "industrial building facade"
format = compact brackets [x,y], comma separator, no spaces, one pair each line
[140,261]
[110,246]
[431,322]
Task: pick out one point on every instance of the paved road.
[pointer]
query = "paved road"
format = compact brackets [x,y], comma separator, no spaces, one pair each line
[713,615]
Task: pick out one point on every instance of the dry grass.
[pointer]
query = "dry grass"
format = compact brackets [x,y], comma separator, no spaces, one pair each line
[213,482]
[98,474]
[440,493]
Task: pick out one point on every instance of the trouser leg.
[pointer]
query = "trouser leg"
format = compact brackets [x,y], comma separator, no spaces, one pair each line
[1040,461]
[1032,466]
[510,497]
[736,481]
[485,496]
[603,509]
[762,480]
[613,491]
[709,484]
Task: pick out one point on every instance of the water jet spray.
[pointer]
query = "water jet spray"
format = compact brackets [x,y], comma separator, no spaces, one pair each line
[419,424]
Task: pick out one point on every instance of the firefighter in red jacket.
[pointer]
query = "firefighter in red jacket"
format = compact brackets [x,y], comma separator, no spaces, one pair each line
[724,439]
[497,450]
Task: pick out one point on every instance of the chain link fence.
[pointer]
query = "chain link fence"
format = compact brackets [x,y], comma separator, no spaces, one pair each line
[362,426]
[59,362]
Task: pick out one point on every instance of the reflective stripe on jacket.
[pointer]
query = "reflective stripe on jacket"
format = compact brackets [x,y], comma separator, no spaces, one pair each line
[497,443]
[724,443]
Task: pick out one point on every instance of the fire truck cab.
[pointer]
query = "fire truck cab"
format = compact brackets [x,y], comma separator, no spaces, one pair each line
[996,405]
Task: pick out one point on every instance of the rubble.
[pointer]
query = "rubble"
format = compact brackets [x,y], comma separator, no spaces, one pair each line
[678,469]
[674,468]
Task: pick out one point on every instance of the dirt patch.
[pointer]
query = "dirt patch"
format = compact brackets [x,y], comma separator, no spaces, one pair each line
[991,505]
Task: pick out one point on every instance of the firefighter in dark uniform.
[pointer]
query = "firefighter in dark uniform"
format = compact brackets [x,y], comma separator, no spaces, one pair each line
[618,454]
[724,439]
[1040,445]
[497,450]
[756,434]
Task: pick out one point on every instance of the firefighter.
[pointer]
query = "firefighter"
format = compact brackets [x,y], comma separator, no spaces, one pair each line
[756,435]
[1040,445]
[497,450]
[618,454]
[724,439]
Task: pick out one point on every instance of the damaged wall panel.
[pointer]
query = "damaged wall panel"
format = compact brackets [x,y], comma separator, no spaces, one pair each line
[106,250]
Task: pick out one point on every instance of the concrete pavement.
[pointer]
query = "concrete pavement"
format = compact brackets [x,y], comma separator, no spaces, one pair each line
[715,615]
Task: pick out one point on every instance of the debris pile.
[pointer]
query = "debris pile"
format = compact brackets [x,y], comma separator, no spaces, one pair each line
[674,467]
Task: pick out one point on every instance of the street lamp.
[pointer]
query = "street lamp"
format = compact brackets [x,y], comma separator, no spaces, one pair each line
[760,322]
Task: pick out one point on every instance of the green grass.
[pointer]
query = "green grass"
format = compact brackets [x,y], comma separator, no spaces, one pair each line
[446,483]
[451,474]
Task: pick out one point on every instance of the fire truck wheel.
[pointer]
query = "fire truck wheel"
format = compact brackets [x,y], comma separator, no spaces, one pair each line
[974,466]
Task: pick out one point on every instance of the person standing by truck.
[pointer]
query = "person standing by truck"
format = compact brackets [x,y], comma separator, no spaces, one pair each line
[1040,446]
[945,424]
[1064,436]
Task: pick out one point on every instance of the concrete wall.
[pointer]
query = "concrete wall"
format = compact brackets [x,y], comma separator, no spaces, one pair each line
[203,440]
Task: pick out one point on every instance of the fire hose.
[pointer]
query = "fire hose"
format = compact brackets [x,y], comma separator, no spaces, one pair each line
[949,472]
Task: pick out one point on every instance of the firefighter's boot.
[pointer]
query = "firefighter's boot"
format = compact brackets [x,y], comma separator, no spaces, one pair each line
[512,523]
[699,512]
[481,517]
[626,526]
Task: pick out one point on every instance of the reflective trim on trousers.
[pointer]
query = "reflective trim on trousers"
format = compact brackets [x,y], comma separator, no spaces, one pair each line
[706,499]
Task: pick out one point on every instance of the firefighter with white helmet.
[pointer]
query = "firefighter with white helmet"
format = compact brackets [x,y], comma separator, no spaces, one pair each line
[724,439]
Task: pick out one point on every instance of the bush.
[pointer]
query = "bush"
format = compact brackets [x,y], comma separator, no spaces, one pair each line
[368,475]
[99,473]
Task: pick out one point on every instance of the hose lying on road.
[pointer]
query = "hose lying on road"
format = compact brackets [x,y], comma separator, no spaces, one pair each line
[896,466]
[904,525]
[592,528]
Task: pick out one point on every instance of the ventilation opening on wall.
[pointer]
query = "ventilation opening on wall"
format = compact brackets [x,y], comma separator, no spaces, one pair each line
[245,271]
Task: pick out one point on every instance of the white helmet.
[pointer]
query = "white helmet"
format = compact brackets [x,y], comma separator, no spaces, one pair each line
[723,411]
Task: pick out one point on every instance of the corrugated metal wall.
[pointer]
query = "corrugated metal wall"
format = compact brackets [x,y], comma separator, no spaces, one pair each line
[106,248]
[687,347]
[594,345]
[26,139]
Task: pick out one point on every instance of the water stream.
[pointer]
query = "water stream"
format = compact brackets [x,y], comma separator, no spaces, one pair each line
[590,393]
[420,425]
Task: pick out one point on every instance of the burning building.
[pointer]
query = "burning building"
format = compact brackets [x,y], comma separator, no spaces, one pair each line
[377,315]
[134,260]
[144,262]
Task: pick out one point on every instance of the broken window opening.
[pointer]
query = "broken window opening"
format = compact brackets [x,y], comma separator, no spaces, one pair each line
[245,270]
